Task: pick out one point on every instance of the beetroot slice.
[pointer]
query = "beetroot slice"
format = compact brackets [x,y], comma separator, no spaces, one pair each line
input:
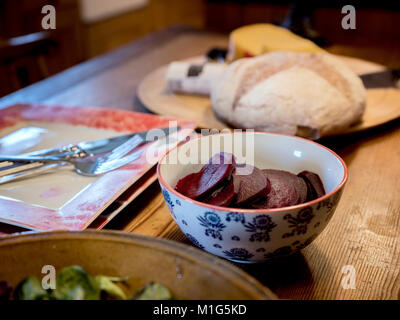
[311,194]
[220,167]
[189,184]
[222,196]
[251,186]
[265,203]
[260,203]
[315,186]
[301,188]
[283,192]
[298,183]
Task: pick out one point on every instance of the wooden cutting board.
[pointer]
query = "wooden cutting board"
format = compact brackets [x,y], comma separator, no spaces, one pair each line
[383,105]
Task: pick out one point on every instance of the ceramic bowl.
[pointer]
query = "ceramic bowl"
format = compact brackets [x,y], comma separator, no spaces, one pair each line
[250,235]
[186,271]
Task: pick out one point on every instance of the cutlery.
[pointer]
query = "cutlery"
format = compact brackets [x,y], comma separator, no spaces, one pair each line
[28,170]
[217,54]
[389,78]
[91,165]
[99,146]
[10,171]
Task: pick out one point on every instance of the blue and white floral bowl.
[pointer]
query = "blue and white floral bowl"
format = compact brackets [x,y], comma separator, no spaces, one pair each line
[250,235]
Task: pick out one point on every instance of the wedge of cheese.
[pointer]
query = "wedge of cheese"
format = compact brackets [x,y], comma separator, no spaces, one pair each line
[256,39]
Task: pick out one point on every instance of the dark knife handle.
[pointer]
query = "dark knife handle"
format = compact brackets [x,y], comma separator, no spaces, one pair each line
[217,54]
[389,78]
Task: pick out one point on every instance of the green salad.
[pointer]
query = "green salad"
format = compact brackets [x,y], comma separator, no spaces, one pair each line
[74,283]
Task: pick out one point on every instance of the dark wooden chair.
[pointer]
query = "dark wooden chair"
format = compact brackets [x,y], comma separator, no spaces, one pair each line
[23,59]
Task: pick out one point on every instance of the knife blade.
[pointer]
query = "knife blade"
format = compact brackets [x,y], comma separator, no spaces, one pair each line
[389,78]
[100,146]
[90,148]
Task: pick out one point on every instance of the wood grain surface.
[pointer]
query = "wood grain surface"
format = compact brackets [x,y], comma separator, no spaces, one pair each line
[364,232]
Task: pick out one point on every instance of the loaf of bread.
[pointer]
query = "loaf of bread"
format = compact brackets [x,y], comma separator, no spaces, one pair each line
[306,94]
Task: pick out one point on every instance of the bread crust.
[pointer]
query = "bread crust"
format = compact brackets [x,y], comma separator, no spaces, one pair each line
[294,93]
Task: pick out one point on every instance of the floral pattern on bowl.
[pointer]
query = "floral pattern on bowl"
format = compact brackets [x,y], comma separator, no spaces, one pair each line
[253,235]
[250,237]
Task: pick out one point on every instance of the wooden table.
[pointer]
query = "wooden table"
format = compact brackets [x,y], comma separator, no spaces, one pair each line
[365,230]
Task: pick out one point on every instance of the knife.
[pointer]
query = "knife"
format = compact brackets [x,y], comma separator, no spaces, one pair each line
[99,146]
[88,148]
[389,78]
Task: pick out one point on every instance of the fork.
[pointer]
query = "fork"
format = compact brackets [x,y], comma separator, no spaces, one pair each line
[90,166]
[9,168]
[84,166]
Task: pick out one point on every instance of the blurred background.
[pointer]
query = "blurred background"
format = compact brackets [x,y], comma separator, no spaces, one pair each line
[88,28]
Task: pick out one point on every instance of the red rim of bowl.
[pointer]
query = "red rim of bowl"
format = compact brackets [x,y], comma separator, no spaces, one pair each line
[297,206]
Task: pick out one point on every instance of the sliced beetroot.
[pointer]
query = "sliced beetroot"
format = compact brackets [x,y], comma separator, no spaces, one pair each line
[250,186]
[219,168]
[315,186]
[297,182]
[275,199]
[311,194]
[301,188]
[222,196]
[219,183]
[260,203]
[283,192]
[188,185]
